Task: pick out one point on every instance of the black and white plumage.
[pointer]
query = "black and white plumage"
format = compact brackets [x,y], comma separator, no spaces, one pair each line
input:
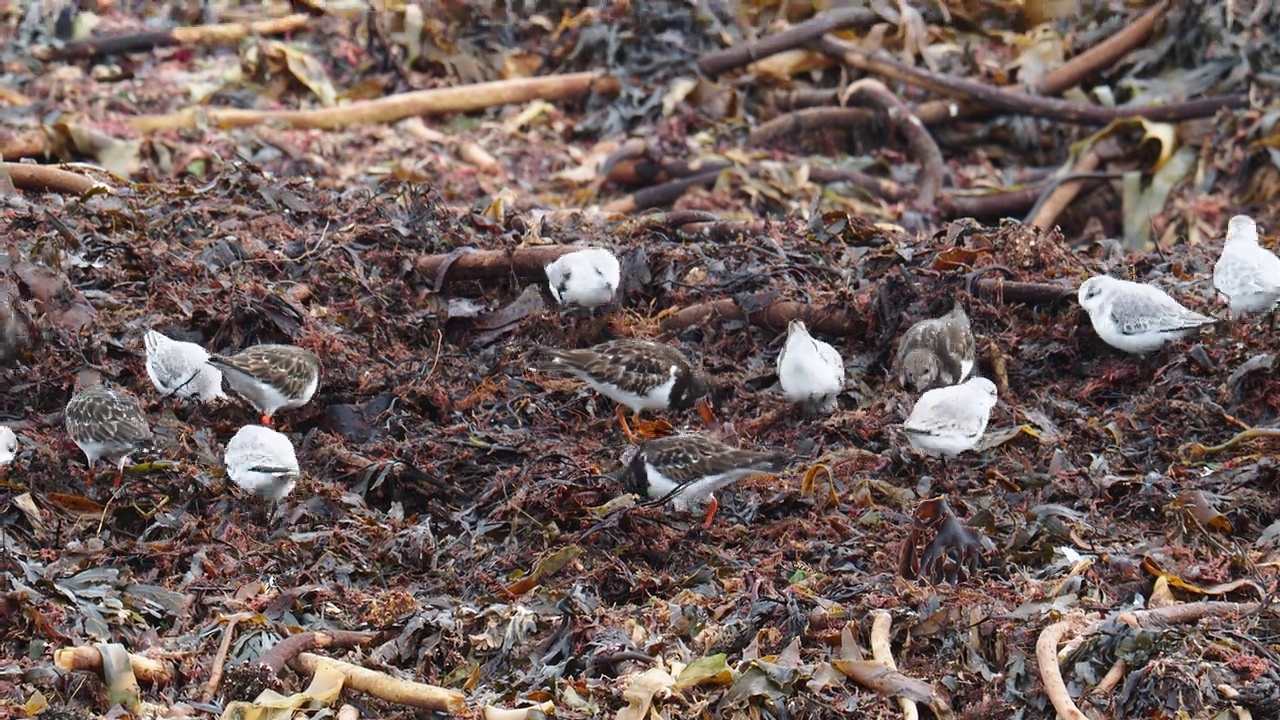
[950,420]
[587,277]
[810,371]
[106,423]
[686,469]
[271,377]
[640,374]
[8,445]
[937,352]
[181,368]
[1246,273]
[1135,317]
[262,461]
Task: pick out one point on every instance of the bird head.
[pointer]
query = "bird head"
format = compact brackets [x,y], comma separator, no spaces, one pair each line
[1093,292]
[919,370]
[1242,228]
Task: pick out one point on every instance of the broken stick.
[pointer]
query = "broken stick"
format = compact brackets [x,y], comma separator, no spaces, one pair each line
[387,110]
[48,179]
[86,658]
[386,687]
[222,34]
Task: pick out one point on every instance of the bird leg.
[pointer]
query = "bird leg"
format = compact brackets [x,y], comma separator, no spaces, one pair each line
[626,429]
[712,506]
[707,414]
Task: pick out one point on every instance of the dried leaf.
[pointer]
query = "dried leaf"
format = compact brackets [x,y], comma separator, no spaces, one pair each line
[706,670]
[641,691]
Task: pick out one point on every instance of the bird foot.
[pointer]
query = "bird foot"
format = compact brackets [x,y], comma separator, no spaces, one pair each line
[626,429]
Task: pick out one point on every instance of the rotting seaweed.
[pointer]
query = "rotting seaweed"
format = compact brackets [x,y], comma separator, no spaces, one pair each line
[459,523]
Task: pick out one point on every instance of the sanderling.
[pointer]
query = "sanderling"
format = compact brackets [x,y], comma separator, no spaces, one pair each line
[106,423]
[181,368]
[587,277]
[1246,273]
[950,420]
[262,461]
[1135,317]
[810,371]
[8,445]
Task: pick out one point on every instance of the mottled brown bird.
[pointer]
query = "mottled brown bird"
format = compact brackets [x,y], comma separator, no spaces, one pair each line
[936,352]
[271,377]
[639,374]
[686,469]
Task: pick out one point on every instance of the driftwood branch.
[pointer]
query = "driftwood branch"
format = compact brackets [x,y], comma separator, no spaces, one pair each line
[86,658]
[465,98]
[386,687]
[793,37]
[16,144]
[1069,74]
[48,179]
[220,658]
[882,64]
[664,194]
[1055,688]
[828,320]
[525,263]
[289,648]
[882,652]
[808,120]
[223,34]
[1061,196]
[922,144]
[677,177]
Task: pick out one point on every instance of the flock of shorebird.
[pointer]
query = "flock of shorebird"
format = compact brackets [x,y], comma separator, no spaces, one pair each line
[936,358]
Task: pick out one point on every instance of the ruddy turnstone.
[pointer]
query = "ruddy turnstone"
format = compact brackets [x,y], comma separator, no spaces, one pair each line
[687,468]
[271,377]
[950,420]
[8,446]
[1247,274]
[181,368]
[639,374]
[810,371]
[106,423]
[262,461]
[936,352]
[587,277]
[1135,317]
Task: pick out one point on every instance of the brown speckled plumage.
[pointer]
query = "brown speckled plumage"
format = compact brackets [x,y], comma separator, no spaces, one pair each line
[106,423]
[634,373]
[936,352]
[271,377]
[687,468]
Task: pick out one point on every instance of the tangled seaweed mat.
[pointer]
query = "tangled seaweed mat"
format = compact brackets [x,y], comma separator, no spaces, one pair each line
[451,496]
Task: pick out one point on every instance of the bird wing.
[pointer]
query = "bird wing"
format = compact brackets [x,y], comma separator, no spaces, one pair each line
[922,335]
[685,459]
[115,414]
[947,410]
[1145,308]
[634,365]
[1247,269]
